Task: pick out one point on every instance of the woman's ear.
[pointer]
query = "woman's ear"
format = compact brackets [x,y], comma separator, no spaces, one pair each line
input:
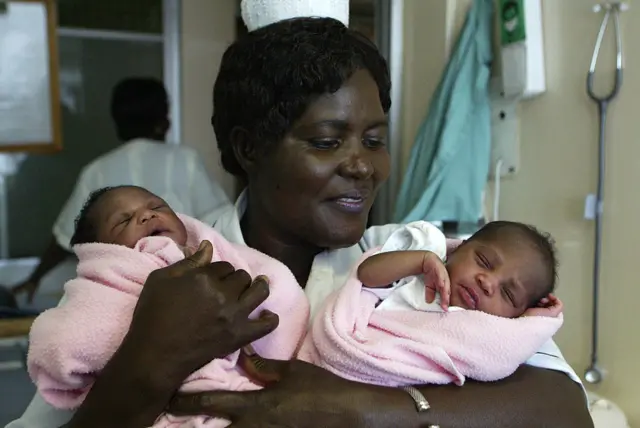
[244,148]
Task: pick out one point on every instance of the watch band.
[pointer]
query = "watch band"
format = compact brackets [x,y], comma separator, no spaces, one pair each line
[422,405]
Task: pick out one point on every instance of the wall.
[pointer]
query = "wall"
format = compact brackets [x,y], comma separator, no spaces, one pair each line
[559,157]
[424,45]
[558,169]
[208,27]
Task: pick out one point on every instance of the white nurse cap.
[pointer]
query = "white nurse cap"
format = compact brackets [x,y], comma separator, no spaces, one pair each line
[258,13]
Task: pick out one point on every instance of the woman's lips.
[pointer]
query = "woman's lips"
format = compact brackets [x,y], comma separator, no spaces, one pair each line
[354,201]
[352,205]
[468,296]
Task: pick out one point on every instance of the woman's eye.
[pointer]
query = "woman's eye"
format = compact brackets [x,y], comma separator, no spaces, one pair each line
[374,143]
[325,143]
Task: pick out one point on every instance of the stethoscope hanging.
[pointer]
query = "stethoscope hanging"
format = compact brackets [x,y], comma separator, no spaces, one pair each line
[593,373]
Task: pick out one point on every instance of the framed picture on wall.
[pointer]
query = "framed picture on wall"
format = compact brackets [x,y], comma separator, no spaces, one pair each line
[29,86]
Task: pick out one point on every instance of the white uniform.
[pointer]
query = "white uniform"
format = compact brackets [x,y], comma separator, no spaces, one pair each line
[175,173]
[329,271]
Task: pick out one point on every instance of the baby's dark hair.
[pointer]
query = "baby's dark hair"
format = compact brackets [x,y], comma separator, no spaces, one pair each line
[541,242]
[86,230]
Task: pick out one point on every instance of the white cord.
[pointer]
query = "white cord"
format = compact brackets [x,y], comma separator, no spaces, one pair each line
[496,190]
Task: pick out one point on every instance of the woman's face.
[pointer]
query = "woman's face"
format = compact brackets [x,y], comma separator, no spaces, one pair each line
[318,184]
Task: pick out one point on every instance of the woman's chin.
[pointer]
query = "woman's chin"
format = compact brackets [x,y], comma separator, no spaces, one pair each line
[334,228]
[342,236]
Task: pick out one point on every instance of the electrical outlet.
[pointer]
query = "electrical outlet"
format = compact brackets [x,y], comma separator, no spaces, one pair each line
[505,132]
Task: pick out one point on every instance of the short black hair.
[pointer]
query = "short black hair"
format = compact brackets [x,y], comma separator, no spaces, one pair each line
[541,242]
[138,105]
[85,227]
[269,77]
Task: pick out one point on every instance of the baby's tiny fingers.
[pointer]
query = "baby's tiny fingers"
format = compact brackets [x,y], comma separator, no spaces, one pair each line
[445,293]
[429,294]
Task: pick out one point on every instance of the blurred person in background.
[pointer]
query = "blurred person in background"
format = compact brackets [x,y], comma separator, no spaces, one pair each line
[140,112]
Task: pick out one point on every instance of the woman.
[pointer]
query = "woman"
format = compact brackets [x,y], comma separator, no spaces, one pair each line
[300,116]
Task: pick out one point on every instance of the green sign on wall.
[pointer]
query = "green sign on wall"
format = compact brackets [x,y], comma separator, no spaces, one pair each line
[512,28]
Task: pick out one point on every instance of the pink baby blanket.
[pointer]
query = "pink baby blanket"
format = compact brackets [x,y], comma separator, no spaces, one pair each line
[70,344]
[356,341]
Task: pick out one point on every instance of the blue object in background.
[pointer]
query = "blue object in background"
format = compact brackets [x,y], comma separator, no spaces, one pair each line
[449,163]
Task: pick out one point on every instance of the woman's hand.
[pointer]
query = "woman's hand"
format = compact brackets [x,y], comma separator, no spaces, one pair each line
[187,314]
[304,396]
[192,312]
[299,395]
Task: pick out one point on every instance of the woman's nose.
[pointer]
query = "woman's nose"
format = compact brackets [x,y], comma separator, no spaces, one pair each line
[357,165]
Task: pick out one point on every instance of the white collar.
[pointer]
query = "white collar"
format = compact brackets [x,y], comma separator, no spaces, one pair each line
[228,224]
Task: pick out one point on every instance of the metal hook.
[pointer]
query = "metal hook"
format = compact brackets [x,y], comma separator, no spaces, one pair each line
[616,7]
[622,6]
[610,8]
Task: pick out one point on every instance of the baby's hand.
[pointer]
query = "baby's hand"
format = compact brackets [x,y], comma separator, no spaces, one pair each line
[436,279]
[549,306]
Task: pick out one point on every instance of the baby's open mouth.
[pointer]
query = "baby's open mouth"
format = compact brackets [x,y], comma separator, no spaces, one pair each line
[158,232]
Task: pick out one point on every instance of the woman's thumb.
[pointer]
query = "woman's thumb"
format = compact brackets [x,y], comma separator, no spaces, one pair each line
[200,258]
[203,254]
[260,370]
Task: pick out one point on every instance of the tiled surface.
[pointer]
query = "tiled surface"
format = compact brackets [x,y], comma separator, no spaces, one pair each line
[16,389]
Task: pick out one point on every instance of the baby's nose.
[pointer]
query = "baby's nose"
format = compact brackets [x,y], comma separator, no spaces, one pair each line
[487,284]
[147,215]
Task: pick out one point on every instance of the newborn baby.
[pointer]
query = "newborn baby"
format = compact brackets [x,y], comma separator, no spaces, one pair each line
[506,269]
[384,327]
[122,235]
[124,215]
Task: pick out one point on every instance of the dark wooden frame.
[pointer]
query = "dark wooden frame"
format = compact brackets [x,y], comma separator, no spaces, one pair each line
[55,144]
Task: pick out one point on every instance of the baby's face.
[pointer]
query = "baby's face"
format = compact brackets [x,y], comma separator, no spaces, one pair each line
[496,278]
[124,216]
